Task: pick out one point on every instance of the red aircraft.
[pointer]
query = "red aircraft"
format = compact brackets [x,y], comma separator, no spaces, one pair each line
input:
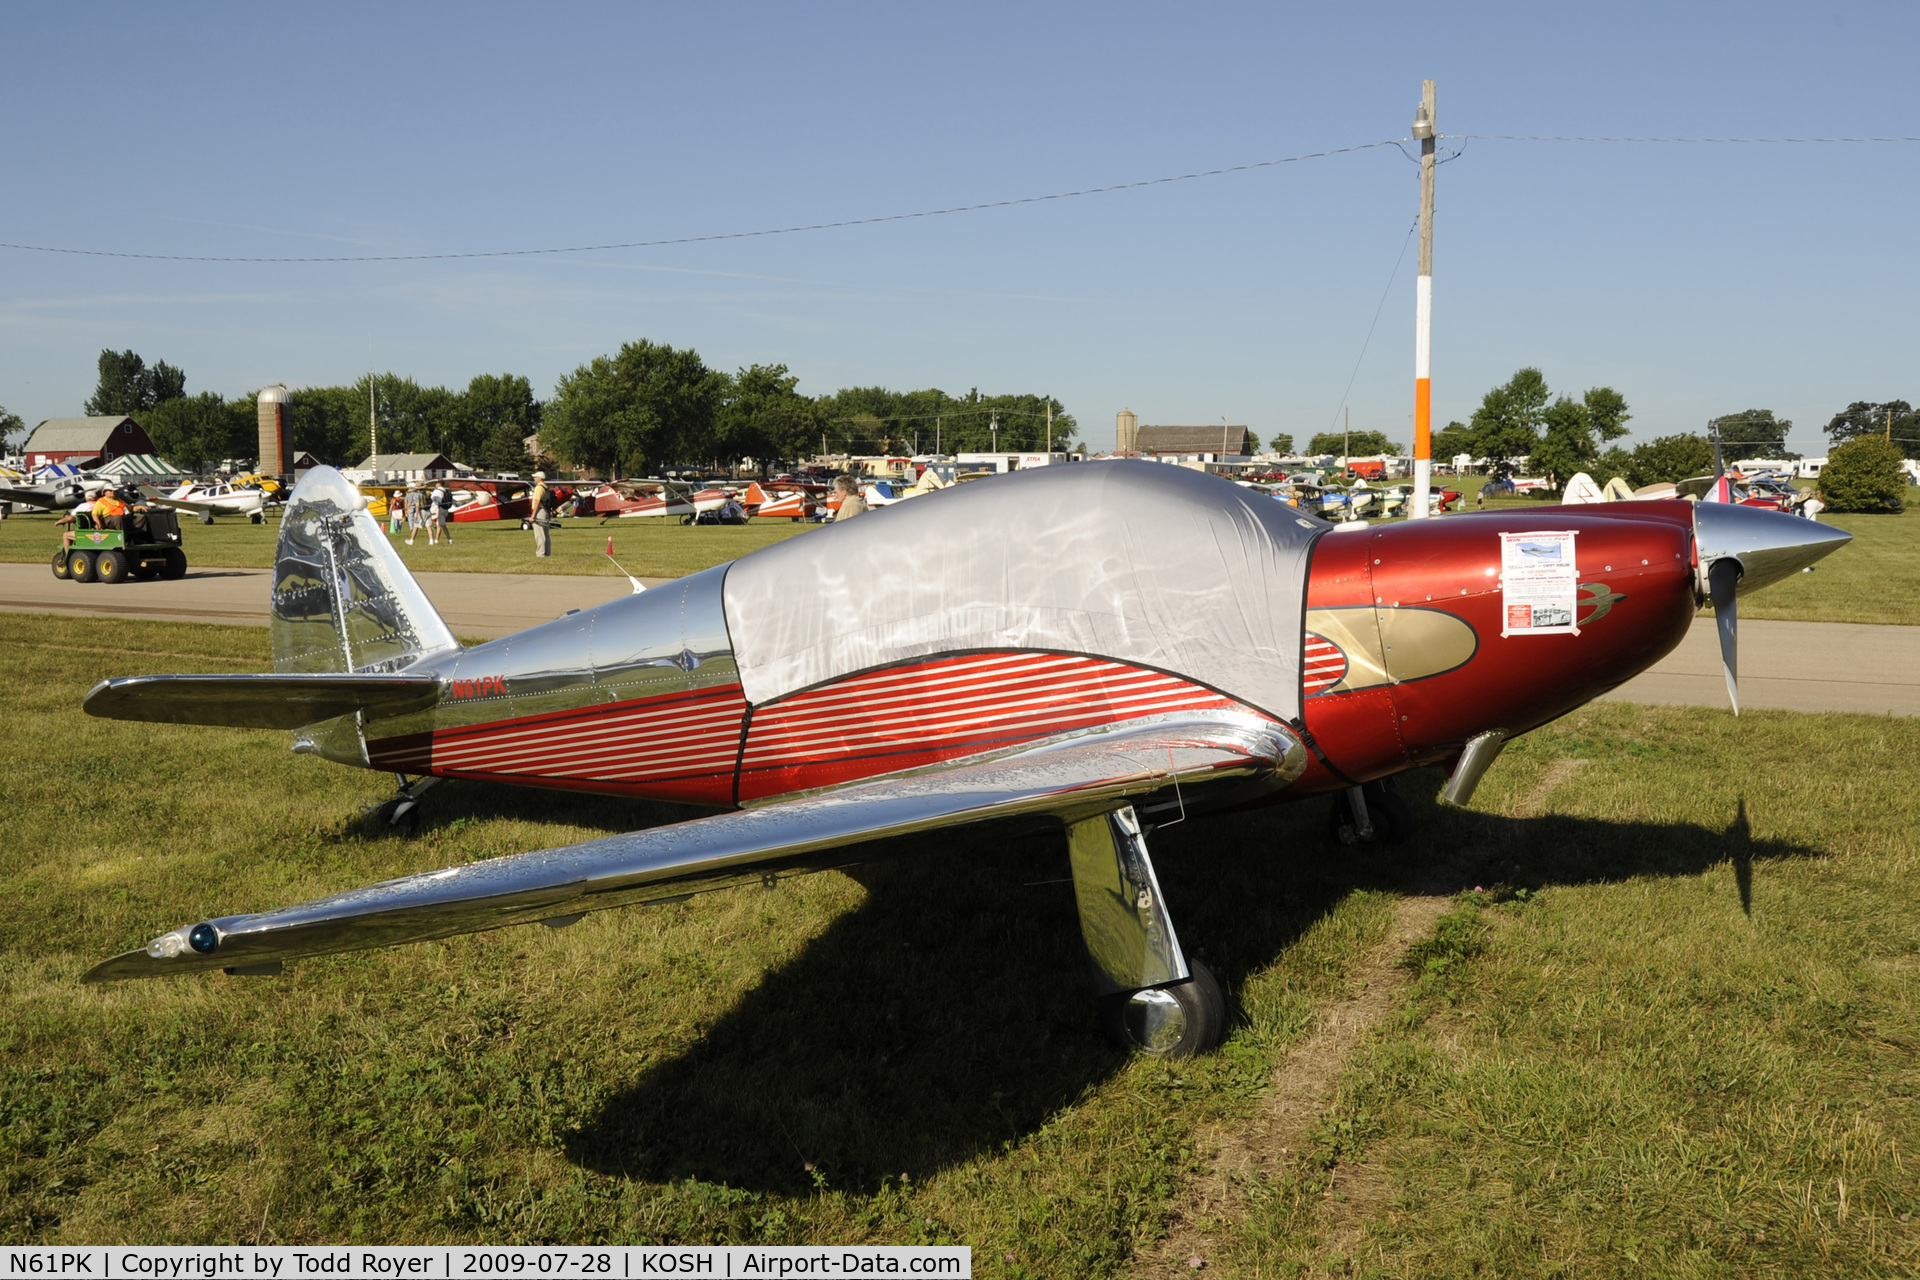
[1097,647]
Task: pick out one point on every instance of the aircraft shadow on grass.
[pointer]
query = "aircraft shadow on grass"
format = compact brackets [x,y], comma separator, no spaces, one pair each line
[950,1013]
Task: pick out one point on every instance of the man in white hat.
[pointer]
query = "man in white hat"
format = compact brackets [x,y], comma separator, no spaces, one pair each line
[542,515]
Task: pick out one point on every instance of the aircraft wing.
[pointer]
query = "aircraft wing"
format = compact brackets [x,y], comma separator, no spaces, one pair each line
[258,701]
[34,498]
[1074,779]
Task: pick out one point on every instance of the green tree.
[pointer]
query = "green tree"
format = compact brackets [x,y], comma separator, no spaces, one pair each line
[1506,426]
[1669,459]
[1453,440]
[1752,433]
[1281,443]
[875,419]
[330,423]
[643,408]
[1864,418]
[197,432]
[1614,462]
[1864,474]
[1575,431]
[11,424]
[1358,445]
[495,416]
[127,385]
[764,416]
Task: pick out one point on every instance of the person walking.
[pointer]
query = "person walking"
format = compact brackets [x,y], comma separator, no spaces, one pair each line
[443,511]
[542,515]
[396,512]
[415,516]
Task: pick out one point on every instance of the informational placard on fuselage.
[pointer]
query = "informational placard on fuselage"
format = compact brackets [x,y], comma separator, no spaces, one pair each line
[1539,584]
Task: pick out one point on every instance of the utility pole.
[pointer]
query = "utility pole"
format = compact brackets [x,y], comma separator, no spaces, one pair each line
[936,434]
[1346,450]
[993,425]
[1889,424]
[1424,129]
[1050,429]
[373,426]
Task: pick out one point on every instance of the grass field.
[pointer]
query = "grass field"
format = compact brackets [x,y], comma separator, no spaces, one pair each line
[648,548]
[1675,1034]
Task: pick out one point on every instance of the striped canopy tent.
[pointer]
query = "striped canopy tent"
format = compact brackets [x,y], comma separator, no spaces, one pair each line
[139,466]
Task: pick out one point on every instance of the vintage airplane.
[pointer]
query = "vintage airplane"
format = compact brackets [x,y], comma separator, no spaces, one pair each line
[1096,647]
[207,499]
[50,489]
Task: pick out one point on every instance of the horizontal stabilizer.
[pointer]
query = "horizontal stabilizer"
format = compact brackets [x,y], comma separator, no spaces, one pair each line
[259,701]
[1074,780]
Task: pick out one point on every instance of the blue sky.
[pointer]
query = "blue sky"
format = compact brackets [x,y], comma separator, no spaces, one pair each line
[1694,279]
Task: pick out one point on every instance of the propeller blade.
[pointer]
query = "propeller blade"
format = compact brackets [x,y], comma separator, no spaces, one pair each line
[1722,578]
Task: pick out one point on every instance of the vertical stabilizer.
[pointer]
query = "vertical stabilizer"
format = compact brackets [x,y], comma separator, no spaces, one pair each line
[342,598]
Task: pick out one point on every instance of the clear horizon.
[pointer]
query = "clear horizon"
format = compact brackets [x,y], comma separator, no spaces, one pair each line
[1695,279]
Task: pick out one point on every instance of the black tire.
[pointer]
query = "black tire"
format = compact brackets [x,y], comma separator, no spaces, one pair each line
[80,565]
[258,517]
[60,570]
[206,517]
[1168,1022]
[112,567]
[1391,818]
[176,565]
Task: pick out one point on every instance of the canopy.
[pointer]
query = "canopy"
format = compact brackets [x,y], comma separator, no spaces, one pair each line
[1136,561]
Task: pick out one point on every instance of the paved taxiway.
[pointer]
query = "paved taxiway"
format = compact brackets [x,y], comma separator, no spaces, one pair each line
[1793,666]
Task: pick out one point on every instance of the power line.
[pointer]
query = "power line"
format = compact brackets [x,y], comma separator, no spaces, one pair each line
[1376,322]
[1542,137]
[727,235]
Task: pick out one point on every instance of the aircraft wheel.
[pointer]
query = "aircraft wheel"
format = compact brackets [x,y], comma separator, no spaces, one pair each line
[1168,1022]
[60,564]
[258,517]
[80,565]
[1391,818]
[206,517]
[176,566]
[112,566]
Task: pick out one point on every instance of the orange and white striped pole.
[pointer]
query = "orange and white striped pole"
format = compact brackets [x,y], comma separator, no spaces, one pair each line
[1424,130]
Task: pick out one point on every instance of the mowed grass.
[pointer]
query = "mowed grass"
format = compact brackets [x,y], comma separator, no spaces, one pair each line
[646,548]
[1608,1065]
[1673,1033]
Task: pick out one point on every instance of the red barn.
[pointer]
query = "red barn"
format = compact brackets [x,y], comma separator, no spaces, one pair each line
[84,441]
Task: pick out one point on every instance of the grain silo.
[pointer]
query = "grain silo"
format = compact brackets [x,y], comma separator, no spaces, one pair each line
[276,433]
[1126,431]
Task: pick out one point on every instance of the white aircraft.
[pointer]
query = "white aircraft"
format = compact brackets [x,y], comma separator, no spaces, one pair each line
[208,499]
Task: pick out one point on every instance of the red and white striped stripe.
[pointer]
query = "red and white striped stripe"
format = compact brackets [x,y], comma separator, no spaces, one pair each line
[675,745]
[902,716]
[1324,664]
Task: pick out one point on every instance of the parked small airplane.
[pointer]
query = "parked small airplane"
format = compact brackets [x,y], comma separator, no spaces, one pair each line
[50,492]
[1095,648]
[220,497]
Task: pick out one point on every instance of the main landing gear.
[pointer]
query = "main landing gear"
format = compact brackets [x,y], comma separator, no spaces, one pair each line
[1153,998]
[402,812]
[1372,813]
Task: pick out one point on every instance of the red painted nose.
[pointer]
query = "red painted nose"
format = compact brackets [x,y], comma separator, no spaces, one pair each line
[1424,634]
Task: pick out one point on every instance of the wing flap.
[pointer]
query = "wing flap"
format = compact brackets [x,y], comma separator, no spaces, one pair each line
[258,701]
[1072,779]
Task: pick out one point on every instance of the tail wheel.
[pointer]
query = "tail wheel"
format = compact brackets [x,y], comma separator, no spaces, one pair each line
[80,565]
[60,564]
[112,567]
[176,566]
[1168,1022]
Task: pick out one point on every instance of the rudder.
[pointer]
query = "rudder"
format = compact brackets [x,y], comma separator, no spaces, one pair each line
[343,601]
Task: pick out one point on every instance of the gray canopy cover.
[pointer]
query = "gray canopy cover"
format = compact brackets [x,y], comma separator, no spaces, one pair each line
[1136,561]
